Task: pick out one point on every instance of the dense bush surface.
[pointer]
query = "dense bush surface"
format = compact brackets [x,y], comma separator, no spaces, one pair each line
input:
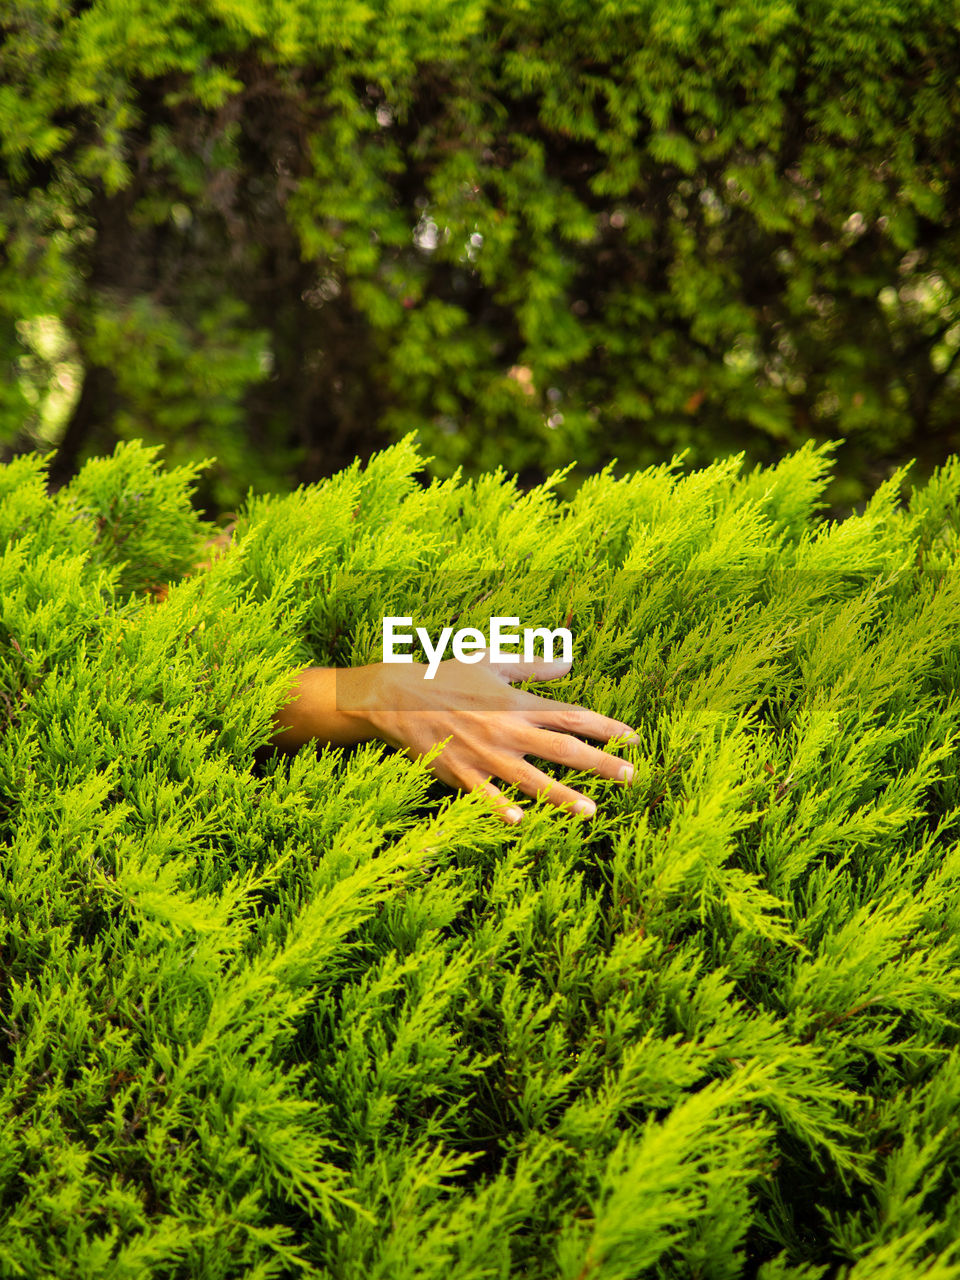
[265,1016]
[283,231]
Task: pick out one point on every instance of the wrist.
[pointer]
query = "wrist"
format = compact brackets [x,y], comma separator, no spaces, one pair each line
[380,699]
[360,700]
[324,704]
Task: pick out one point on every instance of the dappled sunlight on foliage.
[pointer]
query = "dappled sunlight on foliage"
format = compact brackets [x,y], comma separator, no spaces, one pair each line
[282,233]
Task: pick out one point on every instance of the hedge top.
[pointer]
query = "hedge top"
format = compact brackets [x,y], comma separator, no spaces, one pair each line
[270,1017]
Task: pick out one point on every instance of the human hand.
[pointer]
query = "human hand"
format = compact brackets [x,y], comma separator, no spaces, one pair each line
[491,726]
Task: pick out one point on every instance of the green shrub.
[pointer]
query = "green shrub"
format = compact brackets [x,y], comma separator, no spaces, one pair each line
[269,1016]
[284,232]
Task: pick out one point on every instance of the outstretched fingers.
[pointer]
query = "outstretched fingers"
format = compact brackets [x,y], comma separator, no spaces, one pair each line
[528,779]
[566,717]
[532,782]
[504,808]
[561,748]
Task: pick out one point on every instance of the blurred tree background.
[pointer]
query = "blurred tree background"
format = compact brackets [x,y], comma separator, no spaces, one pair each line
[285,232]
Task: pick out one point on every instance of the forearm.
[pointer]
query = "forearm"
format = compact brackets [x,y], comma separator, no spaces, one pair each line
[325,703]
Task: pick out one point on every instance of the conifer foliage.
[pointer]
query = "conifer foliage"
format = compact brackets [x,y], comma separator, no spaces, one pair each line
[270,1016]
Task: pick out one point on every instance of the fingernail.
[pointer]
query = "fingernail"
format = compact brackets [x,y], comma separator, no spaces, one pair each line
[513,814]
[626,773]
[586,807]
[634,736]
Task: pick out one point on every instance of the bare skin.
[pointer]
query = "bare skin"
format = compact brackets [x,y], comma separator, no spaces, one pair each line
[488,726]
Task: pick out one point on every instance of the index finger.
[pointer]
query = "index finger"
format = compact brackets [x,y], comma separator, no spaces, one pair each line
[548,713]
